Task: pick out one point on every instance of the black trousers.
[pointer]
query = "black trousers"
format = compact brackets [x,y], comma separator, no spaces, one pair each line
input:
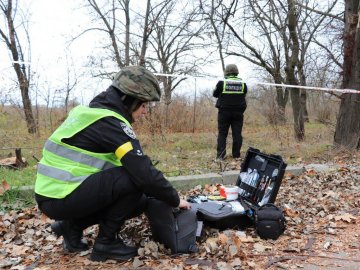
[107,198]
[227,119]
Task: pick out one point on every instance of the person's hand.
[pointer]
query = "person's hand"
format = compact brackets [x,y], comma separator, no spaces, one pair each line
[184,204]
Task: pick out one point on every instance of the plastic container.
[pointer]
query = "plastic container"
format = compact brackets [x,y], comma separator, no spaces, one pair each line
[231,192]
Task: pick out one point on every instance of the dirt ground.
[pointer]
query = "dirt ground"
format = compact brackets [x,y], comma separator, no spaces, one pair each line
[321,209]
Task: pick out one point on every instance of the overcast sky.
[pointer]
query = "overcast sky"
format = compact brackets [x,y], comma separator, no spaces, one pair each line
[52,24]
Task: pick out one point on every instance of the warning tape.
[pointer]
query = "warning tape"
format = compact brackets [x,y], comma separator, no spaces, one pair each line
[344,91]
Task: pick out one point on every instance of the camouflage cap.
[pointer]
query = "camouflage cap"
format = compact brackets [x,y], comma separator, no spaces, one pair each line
[231,69]
[138,82]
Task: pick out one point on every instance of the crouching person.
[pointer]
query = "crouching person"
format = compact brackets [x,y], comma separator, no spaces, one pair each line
[93,170]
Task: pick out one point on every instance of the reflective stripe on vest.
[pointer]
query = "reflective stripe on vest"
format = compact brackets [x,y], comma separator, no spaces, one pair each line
[233,85]
[59,174]
[64,167]
[77,157]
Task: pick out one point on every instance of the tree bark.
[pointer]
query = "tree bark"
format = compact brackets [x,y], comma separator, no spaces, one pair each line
[145,37]
[12,42]
[297,106]
[347,133]
[127,31]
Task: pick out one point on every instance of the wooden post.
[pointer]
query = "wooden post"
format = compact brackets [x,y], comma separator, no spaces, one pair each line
[19,160]
[194,116]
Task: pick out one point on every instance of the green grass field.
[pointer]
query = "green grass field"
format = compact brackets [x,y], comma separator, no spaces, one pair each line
[193,153]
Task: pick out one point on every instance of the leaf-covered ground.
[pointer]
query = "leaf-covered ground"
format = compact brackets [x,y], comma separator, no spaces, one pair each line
[322,212]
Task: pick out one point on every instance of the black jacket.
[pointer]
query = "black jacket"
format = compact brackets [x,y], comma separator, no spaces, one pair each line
[106,135]
[233,102]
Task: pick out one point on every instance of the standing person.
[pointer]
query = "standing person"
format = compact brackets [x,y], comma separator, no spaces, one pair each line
[93,170]
[231,103]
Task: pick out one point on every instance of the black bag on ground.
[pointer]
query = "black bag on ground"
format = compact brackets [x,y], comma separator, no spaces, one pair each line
[176,229]
[269,221]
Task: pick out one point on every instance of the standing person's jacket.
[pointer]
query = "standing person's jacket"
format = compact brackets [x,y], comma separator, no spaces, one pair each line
[230,94]
[96,138]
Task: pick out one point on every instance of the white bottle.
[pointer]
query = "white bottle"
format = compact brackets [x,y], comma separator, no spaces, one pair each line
[267,194]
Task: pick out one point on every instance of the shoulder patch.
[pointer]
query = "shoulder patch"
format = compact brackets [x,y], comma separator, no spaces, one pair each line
[128,130]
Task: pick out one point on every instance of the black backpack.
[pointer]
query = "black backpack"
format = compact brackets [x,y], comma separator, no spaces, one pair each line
[269,221]
[174,228]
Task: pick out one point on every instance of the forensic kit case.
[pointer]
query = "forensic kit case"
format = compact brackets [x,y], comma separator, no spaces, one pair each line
[260,178]
[259,181]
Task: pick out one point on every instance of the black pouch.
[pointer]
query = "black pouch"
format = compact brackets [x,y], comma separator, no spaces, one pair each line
[176,229]
[269,221]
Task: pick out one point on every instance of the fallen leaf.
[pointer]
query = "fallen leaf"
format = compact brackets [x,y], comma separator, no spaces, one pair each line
[236,262]
[211,243]
[137,263]
[345,217]
[290,213]
[44,218]
[237,241]
[261,248]
[343,169]
[233,250]
[4,187]
[19,250]
[311,172]
[223,239]
[246,239]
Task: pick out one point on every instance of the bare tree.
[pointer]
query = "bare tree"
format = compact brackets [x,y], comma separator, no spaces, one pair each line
[71,82]
[347,133]
[260,37]
[146,23]
[215,13]
[175,40]
[9,34]
[277,36]
[114,18]
[106,13]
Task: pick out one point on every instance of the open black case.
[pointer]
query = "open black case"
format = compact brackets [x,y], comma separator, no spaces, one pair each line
[260,178]
[259,181]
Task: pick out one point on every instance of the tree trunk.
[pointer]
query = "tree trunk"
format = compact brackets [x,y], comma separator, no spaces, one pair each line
[298,114]
[145,36]
[167,97]
[127,32]
[282,97]
[297,106]
[303,98]
[15,48]
[347,133]
[29,117]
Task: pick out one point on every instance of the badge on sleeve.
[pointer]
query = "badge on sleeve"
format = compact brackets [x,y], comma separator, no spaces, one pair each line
[128,130]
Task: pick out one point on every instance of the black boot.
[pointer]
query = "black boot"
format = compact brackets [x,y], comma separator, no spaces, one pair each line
[72,235]
[116,249]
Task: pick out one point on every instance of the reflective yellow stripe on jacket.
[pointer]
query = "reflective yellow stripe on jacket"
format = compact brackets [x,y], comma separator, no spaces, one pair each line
[64,167]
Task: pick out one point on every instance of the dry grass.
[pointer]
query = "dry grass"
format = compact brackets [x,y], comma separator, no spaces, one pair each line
[186,143]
